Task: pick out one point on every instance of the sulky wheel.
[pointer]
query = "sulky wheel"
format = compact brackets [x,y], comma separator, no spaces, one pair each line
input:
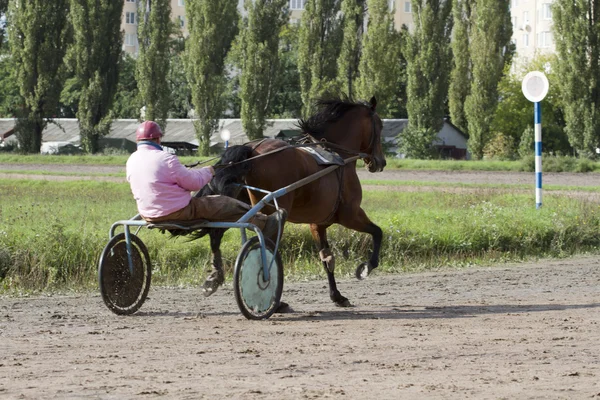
[124,292]
[256,298]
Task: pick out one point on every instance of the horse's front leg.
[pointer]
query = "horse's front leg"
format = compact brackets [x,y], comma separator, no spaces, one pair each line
[359,221]
[319,233]
[217,275]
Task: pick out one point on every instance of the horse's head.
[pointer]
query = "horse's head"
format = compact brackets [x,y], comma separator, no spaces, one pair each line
[371,143]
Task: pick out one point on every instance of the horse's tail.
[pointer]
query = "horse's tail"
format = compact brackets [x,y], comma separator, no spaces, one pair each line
[229,173]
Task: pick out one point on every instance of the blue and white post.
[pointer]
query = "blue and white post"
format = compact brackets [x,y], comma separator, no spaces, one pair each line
[225,136]
[535,88]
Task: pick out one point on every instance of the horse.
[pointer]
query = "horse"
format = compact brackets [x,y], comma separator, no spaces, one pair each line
[348,127]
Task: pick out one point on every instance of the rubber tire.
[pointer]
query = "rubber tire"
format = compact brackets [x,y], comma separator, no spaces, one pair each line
[251,245]
[114,261]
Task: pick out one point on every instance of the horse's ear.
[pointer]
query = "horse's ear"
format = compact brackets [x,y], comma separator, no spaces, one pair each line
[373,102]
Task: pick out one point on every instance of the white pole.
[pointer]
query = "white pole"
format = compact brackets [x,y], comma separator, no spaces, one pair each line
[538,154]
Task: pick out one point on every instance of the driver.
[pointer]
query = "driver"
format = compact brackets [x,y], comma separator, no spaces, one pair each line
[161,186]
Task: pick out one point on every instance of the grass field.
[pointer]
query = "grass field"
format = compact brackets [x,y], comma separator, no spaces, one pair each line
[551,163]
[52,233]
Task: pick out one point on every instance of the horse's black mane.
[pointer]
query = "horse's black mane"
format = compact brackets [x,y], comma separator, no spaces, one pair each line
[330,110]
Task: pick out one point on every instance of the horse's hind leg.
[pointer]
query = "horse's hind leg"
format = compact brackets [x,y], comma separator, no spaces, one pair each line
[217,276]
[319,233]
[358,221]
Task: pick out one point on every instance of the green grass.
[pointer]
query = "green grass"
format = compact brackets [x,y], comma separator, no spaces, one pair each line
[52,233]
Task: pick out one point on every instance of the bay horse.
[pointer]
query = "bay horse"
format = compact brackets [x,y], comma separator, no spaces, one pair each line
[353,128]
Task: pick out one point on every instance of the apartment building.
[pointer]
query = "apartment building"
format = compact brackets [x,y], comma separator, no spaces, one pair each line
[532,27]
[531,19]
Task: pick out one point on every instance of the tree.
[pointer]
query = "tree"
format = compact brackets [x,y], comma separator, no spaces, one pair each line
[515,113]
[428,62]
[3,9]
[382,65]
[153,64]
[460,77]
[490,51]
[318,50]
[127,103]
[212,27]
[38,36]
[353,12]
[10,99]
[258,59]
[577,36]
[287,102]
[97,47]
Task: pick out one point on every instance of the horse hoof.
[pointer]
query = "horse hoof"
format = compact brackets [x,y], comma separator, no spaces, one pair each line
[344,303]
[212,283]
[363,270]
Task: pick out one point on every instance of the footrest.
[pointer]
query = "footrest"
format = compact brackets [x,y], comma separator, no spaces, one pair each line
[183,225]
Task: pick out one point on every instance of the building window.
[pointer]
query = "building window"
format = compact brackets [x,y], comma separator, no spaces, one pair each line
[130,17]
[130,39]
[392,4]
[181,3]
[515,3]
[297,4]
[181,21]
[407,7]
[525,40]
[545,39]
[525,17]
[546,11]
[130,1]
[514,22]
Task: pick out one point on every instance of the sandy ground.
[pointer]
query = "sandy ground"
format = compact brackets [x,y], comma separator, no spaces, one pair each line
[513,331]
[563,179]
[522,331]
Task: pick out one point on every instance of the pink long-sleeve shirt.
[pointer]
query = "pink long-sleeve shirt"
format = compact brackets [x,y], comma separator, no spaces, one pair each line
[160,184]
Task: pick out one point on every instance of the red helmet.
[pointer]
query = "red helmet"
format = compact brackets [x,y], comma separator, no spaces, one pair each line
[148,130]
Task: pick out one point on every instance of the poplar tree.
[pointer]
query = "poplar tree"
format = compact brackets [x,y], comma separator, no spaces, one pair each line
[381,63]
[428,62]
[97,48]
[353,12]
[258,59]
[38,35]
[212,27]
[318,50]
[460,77]
[153,62]
[3,9]
[489,49]
[577,36]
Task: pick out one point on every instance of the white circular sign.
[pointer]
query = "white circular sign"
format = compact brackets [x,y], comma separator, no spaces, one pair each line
[535,86]
[225,135]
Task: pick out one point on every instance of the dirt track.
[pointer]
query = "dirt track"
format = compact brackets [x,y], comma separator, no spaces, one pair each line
[519,331]
[525,331]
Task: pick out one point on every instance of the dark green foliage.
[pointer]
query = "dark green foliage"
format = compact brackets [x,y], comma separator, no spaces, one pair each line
[257,51]
[460,77]
[212,27]
[3,9]
[287,102]
[382,67]
[428,63]
[353,14]
[153,61]
[97,52]
[10,98]
[38,36]
[577,37]
[319,46]
[126,103]
[489,50]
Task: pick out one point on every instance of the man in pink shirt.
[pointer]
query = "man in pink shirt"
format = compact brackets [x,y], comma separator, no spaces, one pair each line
[161,186]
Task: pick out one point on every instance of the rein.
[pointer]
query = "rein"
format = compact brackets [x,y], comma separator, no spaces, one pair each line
[314,142]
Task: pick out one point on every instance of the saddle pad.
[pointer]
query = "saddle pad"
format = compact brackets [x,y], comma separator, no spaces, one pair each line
[322,156]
